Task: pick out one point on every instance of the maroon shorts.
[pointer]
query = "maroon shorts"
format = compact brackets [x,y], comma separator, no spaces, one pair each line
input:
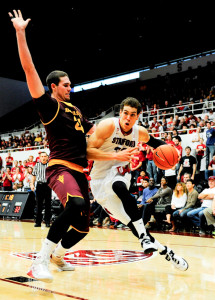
[67,183]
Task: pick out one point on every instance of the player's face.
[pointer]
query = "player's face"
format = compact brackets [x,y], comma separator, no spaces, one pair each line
[128,117]
[62,90]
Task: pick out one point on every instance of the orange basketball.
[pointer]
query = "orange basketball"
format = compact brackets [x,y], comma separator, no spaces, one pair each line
[165,157]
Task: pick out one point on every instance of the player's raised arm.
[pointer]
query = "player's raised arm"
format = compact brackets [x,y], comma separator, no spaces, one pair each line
[33,80]
[103,131]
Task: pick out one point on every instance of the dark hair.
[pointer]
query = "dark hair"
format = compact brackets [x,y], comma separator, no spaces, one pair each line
[54,77]
[191,180]
[188,147]
[132,102]
[146,179]
[164,177]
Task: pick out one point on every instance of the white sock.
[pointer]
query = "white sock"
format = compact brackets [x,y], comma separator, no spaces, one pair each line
[139,226]
[59,250]
[47,249]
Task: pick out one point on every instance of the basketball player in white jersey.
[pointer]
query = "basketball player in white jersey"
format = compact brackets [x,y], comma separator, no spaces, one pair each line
[112,146]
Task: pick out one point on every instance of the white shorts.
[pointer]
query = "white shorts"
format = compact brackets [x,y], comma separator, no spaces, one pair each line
[105,196]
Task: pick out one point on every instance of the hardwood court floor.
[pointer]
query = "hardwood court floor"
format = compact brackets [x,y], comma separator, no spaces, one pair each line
[119,270]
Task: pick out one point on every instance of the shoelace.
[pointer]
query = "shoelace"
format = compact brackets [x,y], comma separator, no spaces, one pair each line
[146,241]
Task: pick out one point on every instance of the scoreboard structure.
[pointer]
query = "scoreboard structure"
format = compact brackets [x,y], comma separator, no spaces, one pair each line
[17,204]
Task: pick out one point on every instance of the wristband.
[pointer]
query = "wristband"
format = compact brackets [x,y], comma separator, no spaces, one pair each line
[154,143]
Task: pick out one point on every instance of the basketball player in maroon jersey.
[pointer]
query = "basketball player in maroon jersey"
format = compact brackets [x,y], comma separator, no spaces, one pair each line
[66,129]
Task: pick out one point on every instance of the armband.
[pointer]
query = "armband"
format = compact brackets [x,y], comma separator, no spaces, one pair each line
[154,143]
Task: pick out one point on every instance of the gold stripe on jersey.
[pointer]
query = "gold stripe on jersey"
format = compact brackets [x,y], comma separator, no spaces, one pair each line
[58,108]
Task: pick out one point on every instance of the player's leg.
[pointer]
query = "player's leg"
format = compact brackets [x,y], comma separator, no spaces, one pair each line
[72,190]
[131,209]
[177,261]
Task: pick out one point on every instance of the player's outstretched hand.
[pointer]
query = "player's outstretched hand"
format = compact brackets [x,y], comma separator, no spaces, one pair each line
[18,22]
[127,154]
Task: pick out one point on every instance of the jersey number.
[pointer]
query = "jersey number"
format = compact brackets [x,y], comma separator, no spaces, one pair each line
[78,125]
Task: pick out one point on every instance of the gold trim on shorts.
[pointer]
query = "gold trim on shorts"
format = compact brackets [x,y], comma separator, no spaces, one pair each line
[67,164]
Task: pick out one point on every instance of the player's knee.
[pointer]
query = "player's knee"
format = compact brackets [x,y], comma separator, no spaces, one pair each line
[119,188]
[78,211]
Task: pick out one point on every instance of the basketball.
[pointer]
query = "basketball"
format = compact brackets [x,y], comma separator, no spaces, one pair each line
[165,157]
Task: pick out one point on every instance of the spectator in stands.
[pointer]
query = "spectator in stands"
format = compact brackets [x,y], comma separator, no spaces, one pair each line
[148,192]
[195,139]
[155,132]
[9,161]
[187,164]
[139,182]
[170,123]
[210,142]
[1,163]
[167,107]
[191,119]
[175,134]
[17,179]
[27,179]
[160,126]
[154,110]
[211,168]
[178,146]
[164,123]
[7,180]
[199,106]
[23,166]
[142,155]
[15,165]
[179,198]
[192,197]
[184,130]
[200,152]
[209,214]
[169,139]
[38,138]
[30,161]
[211,115]
[144,108]
[135,167]
[37,159]
[202,125]
[154,124]
[185,177]
[151,167]
[160,200]
[171,176]
[206,197]
[181,123]
[180,107]
[145,184]
[146,124]
[207,105]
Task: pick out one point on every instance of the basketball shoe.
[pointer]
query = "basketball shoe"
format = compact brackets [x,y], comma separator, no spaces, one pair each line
[61,263]
[40,270]
[147,244]
[177,261]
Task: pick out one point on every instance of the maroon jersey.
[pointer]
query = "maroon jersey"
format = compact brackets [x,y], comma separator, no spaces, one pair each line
[66,129]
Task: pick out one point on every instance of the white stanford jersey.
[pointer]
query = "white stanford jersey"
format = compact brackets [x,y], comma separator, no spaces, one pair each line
[116,142]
